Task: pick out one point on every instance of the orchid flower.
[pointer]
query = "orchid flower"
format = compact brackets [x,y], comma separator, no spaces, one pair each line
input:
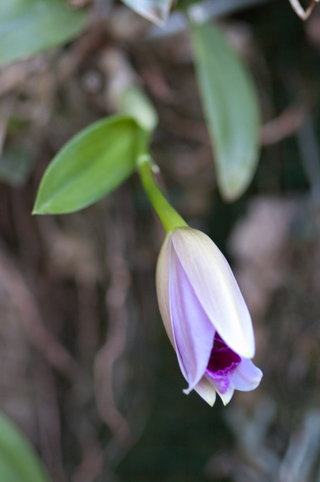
[205,316]
[203,310]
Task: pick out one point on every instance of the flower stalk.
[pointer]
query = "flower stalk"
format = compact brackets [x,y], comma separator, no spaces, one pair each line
[168,216]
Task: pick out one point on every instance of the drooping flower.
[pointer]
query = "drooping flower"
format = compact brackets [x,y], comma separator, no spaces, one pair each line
[205,316]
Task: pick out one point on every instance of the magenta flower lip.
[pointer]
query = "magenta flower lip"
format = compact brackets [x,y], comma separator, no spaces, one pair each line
[205,316]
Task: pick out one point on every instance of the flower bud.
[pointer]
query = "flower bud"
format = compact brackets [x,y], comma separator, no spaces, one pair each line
[205,316]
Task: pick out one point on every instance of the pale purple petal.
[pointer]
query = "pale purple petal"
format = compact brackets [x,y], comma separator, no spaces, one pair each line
[192,330]
[206,390]
[216,288]
[246,376]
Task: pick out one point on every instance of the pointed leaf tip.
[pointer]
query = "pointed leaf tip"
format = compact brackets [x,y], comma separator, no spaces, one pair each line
[90,166]
[156,11]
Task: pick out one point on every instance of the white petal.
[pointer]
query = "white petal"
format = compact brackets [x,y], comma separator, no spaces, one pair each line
[206,390]
[226,397]
[162,283]
[216,288]
[246,376]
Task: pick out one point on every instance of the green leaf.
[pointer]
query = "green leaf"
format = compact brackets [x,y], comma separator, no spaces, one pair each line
[90,166]
[155,10]
[18,460]
[231,108]
[28,27]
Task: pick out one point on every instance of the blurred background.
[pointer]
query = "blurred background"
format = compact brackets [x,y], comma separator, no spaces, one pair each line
[87,371]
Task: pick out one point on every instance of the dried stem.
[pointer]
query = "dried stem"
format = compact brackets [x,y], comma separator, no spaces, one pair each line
[303,14]
[115,344]
[55,354]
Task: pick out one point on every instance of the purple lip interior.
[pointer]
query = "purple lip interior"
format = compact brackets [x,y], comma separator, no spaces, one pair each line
[222,363]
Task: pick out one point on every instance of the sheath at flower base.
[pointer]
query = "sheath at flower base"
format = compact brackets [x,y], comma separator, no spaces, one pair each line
[205,316]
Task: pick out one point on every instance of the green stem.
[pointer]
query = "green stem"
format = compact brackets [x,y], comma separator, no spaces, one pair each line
[168,216]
